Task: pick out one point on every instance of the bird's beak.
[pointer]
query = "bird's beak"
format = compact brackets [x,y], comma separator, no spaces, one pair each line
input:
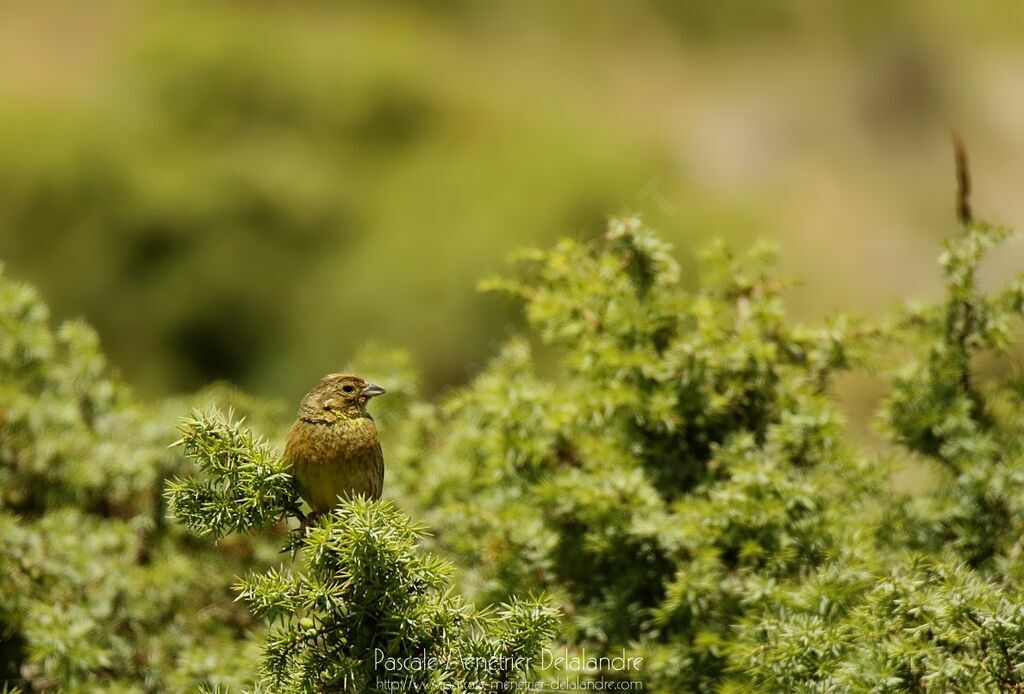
[372,391]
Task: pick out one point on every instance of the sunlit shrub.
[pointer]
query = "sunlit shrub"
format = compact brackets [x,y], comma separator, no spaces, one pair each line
[671,467]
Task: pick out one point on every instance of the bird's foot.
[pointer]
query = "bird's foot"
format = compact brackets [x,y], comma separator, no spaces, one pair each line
[296,536]
[307,523]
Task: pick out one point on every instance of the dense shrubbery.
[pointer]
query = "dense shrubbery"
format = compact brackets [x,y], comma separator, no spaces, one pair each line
[364,611]
[96,588]
[683,468]
[670,467]
[683,483]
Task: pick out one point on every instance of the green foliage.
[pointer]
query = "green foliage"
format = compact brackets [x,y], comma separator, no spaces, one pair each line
[684,462]
[245,486]
[941,409]
[670,466]
[364,611]
[937,604]
[96,591]
[682,479]
[926,625]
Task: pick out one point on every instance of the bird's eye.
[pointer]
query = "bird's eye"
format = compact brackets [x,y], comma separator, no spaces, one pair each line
[348,389]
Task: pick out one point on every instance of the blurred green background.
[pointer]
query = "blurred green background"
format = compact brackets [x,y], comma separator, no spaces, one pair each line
[251,190]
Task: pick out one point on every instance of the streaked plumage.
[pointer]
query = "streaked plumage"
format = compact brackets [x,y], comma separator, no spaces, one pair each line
[333,447]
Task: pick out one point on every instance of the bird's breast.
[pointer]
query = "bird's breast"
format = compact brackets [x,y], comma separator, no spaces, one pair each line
[327,441]
[335,459]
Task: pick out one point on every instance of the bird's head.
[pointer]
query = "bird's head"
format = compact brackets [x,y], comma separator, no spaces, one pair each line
[338,397]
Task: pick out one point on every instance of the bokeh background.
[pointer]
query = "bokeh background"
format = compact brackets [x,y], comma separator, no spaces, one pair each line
[251,190]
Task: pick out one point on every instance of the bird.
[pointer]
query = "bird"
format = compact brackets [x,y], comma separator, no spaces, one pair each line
[333,449]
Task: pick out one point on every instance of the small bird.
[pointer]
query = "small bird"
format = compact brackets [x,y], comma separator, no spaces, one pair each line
[333,448]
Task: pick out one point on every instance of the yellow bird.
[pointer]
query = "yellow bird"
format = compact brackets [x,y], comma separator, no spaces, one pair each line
[333,448]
